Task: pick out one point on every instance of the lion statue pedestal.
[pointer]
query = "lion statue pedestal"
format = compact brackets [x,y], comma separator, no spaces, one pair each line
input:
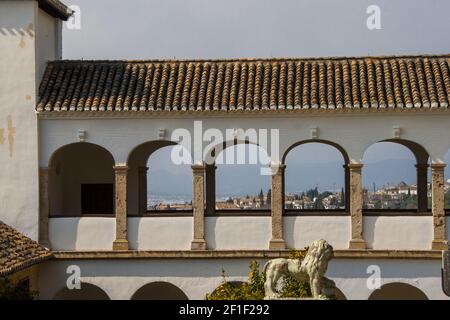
[311,269]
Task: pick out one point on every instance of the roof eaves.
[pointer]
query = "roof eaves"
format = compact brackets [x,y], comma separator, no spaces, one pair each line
[55,8]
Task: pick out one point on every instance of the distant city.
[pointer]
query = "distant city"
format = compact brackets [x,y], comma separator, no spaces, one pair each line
[391,196]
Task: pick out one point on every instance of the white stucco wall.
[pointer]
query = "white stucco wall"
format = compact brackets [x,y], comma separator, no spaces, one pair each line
[18,146]
[231,233]
[90,234]
[401,233]
[120,279]
[160,233]
[239,233]
[121,136]
[48,40]
[300,231]
[27,40]
[351,276]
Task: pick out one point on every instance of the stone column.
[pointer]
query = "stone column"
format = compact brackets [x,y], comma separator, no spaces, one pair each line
[210,177]
[277,241]
[121,242]
[357,240]
[44,206]
[198,207]
[142,187]
[422,192]
[438,206]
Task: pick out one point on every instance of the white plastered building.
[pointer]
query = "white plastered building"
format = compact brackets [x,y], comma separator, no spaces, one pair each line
[73,131]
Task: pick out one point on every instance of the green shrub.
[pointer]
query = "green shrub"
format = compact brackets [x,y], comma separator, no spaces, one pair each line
[254,288]
[20,291]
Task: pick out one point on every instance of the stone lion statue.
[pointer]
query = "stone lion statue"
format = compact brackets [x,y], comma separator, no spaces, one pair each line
[312,269]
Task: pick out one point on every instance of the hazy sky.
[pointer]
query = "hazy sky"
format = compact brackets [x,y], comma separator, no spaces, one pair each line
[200,29]
[145,29]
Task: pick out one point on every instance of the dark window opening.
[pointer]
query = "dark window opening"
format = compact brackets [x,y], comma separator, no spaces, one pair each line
[97,198]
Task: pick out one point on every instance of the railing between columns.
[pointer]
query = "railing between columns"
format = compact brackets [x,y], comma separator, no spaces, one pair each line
[438,207]
[277,242]
[198,207]
[357,239]
[121,177]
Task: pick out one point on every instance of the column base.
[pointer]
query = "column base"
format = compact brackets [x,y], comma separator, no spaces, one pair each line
[439,245]
[120,244]
[277,244]
[198,244]
[357,244]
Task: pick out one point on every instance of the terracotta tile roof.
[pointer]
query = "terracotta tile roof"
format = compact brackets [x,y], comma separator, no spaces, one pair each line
[18,252]
[224,85]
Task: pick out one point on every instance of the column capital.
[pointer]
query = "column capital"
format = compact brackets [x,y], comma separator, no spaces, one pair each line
[422,165]
[355,166]
[142,168]
[438,166]
[121,169]
[277,169]
[198,168]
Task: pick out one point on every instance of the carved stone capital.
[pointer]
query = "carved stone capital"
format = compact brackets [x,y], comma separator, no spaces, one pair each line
[120,169]
[277,169]
[355,166]
[198,169]
[438,166]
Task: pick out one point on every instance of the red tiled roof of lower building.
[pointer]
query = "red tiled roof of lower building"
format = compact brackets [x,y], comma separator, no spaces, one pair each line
[225,85]
[18,252]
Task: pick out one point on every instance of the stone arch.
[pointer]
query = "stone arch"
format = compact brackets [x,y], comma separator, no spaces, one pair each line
[421,157]
[255,158]
[345,162]
[331,143]
[159,290]
[398,291]
[81,180]
[88,291]
[210,155]
[420,153]
[137,174]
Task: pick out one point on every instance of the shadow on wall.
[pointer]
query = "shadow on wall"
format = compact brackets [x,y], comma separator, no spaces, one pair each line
[398,291]
[87,292]
[159,291]
[17,32]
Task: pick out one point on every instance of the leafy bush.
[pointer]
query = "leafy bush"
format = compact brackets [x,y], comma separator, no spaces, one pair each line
[254,288]
[20,291]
